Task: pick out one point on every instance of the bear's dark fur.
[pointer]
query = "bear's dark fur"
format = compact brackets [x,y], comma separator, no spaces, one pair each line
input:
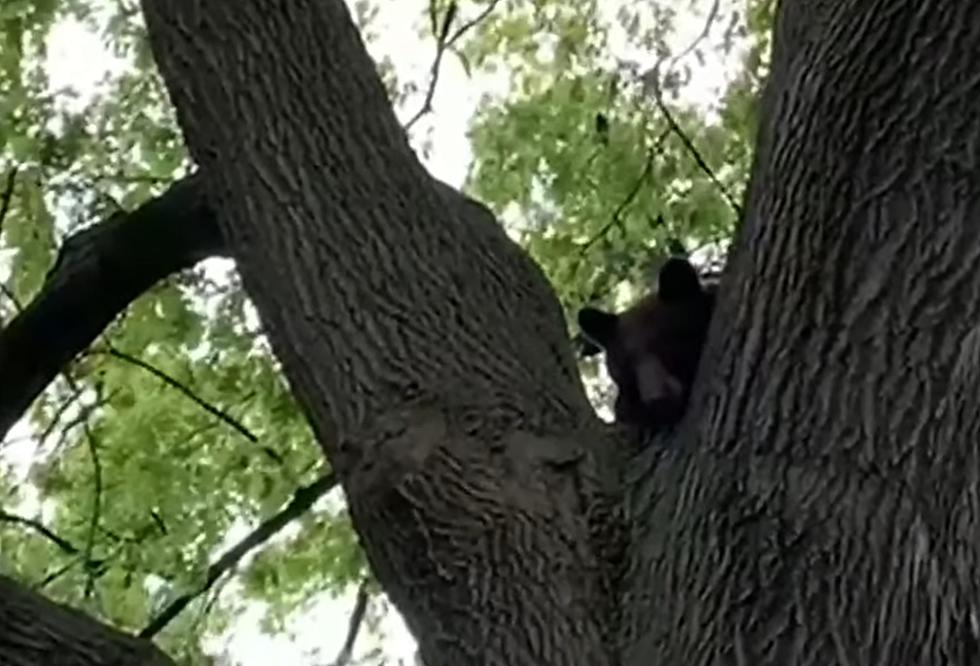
[653,348]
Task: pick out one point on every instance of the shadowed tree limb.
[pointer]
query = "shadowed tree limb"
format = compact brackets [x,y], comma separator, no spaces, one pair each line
[40,528]
[99,271]
[354,627]
[34,630]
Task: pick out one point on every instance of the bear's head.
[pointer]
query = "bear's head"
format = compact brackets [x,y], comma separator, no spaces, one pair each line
[653,348]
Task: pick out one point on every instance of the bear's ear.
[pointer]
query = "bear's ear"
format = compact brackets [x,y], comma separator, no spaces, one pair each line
[678,280]
[598,327]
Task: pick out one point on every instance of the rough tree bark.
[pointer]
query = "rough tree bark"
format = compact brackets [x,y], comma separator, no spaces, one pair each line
[820,503]
[826,511]
[35,631]
[428,351]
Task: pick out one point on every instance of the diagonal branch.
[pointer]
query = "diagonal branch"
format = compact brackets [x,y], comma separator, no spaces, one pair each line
[97,497]
[301,502]
[354,627]
[7,195]
[217,412]
[445,41]
[616,219]
[712,15]
[99,271]
[652,79]
[66,546]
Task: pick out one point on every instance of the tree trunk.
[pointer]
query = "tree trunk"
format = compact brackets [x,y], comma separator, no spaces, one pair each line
[35,631]
[426,348]
[826,511]
[820,502]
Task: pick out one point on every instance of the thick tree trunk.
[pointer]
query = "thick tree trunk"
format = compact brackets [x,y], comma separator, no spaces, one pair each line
[35,631]
[827,510]
[426,348]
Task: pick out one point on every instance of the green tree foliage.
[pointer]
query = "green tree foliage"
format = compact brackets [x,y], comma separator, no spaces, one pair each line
[175,434]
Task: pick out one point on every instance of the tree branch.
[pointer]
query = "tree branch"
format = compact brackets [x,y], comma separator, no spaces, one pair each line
[445,41]
[8,193]
[653,79]
[99,271]
[93,450]
[356,619]
[302,500]
[62,543]
[617,217]
[712,15]
[217,412]
[34,630]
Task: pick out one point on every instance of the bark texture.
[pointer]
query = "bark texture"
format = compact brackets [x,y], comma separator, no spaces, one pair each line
[35,631]
[826,511]
[801,522]
[99,271]
[819,504]
[428,351]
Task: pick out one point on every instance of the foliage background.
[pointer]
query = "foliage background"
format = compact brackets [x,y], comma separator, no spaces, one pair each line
[598,132]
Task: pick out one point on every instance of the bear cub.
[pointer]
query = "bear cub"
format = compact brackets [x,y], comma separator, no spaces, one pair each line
[653,348]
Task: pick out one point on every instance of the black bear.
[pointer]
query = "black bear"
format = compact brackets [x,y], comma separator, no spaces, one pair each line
[653,348]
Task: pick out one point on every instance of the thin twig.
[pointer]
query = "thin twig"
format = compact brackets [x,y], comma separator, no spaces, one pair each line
[57,573]
[616,218]
[62,543]
[95,566]
[443,42]
[96,505]
[300,503]
[712,15]
[8,193]
[11,297]
[472,23]
[73,396]
[184,389]
[689,145]
[208,605]
[437,62]
[141,179]
[217,412]
[354,627]
[85,411]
